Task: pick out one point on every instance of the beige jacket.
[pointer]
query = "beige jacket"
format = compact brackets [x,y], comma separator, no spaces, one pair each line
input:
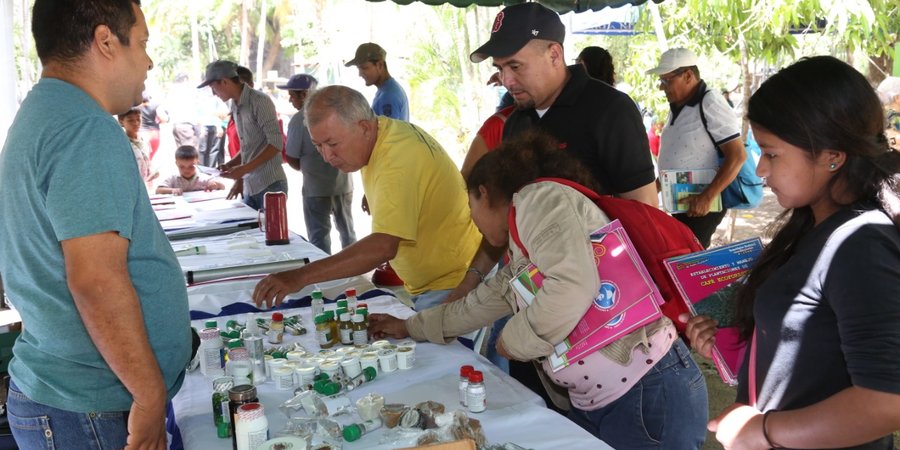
[554,224]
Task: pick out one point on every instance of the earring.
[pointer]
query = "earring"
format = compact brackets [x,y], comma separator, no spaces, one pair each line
[833,166]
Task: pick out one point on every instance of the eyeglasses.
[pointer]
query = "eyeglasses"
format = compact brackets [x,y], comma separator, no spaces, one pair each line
[664,81]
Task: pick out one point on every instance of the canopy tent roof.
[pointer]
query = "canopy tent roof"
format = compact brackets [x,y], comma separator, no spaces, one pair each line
[609,21]
[560,6]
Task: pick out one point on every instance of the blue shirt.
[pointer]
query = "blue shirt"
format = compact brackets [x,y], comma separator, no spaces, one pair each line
[390,101]
[67,171]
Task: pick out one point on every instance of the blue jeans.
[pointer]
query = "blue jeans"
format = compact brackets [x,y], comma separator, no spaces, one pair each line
[37,426]
[255,201]
[317,212]
[492,355]
[429,299]
[667,409]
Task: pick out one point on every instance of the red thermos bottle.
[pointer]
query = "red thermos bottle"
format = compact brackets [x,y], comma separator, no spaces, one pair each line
[275,204]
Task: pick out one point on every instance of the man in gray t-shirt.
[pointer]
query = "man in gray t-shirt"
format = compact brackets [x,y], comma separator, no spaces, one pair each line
[326,190]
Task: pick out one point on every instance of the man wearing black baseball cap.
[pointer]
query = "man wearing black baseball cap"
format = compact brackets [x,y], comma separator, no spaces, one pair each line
[597,123]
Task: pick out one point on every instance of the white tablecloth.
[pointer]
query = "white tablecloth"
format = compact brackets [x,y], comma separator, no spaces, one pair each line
[248,247]
[514,413]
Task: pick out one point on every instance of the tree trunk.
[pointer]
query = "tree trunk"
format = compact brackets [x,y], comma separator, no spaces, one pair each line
[746,89]
[195,42]
[658,27]
[261,40]
[274,51]
[244,58]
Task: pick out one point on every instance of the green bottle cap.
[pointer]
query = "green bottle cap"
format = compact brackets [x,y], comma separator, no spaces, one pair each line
[317,295]
[363,311]
[352,432]
[321,377]
[329,315]
[277,354]
[342,303]
[231,323]
[327,388]
[235,343]
[370,373]
[321,318]
[211,324]
[233,334]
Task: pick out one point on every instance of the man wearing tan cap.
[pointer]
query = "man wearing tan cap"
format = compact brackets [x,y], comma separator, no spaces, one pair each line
[390,100]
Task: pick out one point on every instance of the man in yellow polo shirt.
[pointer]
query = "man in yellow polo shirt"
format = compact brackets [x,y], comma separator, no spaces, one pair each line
[417,197]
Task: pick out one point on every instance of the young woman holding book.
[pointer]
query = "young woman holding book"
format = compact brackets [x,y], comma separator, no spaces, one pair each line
[642,391]
[821,309]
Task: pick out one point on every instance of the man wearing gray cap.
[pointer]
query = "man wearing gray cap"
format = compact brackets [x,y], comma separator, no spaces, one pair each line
[326,191]
[257,167]
[700,125]
[594,121]
[390,100]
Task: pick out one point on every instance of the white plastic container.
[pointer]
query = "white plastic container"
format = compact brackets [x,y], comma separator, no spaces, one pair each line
[351,367]
[211,348]
[406,358]
[284,378]
[387,360]
[251,428]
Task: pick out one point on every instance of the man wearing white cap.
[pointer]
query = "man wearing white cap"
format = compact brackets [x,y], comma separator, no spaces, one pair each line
[700,125]
[592,120]
[326,191]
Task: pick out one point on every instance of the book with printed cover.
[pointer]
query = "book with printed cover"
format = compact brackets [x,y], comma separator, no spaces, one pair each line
[707,281]
[627,297]
[679,184]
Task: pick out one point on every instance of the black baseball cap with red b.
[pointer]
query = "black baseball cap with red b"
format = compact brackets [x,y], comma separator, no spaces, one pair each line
[515,26]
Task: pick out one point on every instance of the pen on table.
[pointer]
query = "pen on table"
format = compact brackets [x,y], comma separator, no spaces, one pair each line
[195,250]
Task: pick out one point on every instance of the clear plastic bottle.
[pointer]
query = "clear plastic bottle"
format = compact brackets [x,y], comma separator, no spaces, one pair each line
[323,331]
[346,328]
[476,393]
[363,309]
[333,323]
[253,342]
[318,303]
[276,328]
[212,363]
[351,300]
[239,366]
[360,332]
[464,373]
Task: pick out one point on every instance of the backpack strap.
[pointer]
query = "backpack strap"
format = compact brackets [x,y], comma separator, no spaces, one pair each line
[513,230]
[706,125]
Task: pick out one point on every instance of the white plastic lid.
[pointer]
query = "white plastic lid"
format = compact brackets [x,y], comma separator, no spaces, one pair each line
[345,317]
[358,318]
